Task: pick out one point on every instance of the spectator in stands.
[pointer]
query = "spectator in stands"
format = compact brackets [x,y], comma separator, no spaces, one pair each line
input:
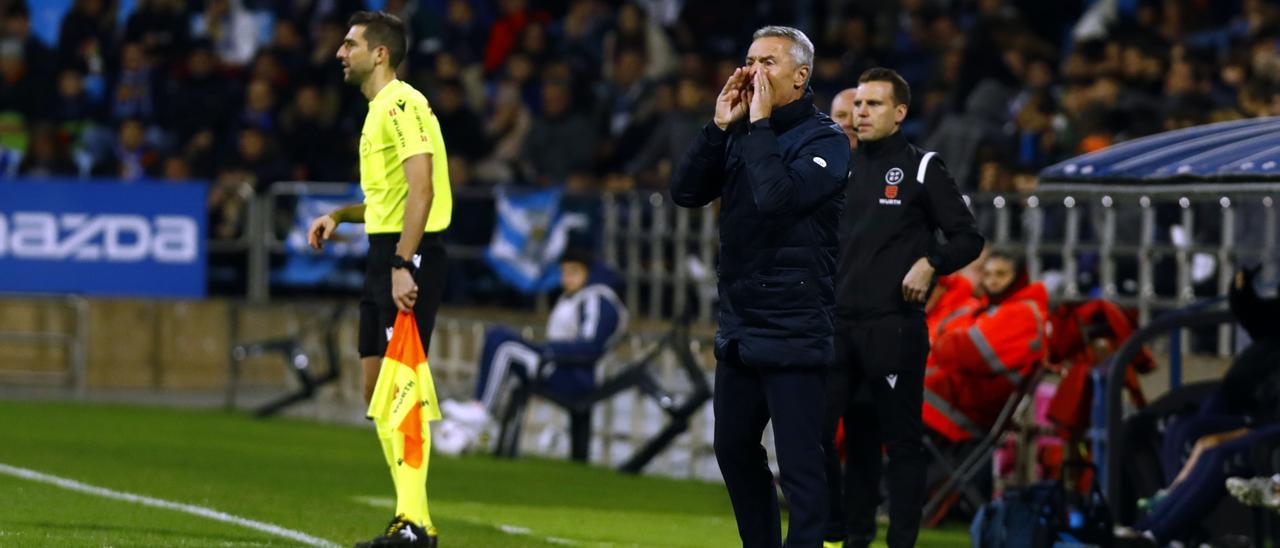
[584,324]
[462,128]
[86,35]
[16,30]
[176,169]
[259,107]
[308,137]
[73,108]
[256,165]
[634,29]
[132,159]
[856,45]
[624,106]
[651,167]
[313,14]
[21,92]
[161,27]
[257,160]
[559,141]
[582,37]
[464,36]
[289,48]
[505,32]
[535,44]
[980,358]
[231,29]
[198,100]
[321,65]
[266,67]
[133,92]
[521,72]
[959,137]
[507,128]
[47,155]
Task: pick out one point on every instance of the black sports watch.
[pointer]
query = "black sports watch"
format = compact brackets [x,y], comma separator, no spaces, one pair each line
[401,262]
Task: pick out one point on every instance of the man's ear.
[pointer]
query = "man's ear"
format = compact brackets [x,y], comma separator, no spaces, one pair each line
[801,76]
[900,113]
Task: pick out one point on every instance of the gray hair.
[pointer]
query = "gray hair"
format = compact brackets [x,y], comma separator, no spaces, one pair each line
[801,46]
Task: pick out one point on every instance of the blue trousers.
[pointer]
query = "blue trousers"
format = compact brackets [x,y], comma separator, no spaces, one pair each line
[507,355]
[1201,491]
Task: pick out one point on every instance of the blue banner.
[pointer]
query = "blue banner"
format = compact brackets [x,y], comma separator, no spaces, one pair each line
[531,234]
[333,266]
[102,238]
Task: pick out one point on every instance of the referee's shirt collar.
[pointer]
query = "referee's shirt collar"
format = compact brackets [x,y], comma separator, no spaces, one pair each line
[386,90]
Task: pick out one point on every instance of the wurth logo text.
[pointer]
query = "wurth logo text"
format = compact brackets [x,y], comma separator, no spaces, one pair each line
[115,238]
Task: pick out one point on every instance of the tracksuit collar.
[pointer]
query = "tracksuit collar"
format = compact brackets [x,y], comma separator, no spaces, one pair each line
[894,142]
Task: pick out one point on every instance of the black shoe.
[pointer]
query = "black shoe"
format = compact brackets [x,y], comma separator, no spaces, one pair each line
[402,533]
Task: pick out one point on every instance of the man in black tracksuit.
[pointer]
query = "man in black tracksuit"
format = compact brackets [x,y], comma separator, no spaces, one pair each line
[899,198]
[779,174]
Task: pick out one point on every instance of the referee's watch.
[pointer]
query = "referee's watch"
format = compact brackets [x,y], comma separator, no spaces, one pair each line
[401,262]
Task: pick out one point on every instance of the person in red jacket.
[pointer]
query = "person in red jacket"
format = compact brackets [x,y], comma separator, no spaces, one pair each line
[516,15]
[952,299]
[982,357]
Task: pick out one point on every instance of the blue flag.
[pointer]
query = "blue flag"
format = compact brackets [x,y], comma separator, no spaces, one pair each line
[531,233]
[306,267]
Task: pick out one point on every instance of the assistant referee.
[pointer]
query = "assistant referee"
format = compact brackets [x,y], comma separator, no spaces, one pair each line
[407,206]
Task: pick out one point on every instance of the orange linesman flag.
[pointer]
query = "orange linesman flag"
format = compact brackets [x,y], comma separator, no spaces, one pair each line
[404,398]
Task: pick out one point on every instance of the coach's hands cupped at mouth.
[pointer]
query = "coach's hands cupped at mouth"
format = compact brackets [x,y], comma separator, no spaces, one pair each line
[731,104]
[322,228]
[762,96]
[403,290]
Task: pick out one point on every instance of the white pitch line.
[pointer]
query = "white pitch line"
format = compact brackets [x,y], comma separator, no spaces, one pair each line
[192,509]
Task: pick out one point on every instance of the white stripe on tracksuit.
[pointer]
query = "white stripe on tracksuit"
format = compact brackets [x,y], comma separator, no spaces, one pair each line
[508,353]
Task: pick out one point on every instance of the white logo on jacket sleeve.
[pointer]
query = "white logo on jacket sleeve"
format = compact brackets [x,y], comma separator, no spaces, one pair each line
[894,176]
[818,160]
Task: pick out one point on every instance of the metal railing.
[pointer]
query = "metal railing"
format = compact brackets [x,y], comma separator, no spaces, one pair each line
[642,235]
[1162,234]
[73,342]
[1107,432]
[1141,246]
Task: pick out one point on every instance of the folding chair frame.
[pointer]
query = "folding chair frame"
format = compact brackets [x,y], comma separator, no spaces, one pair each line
[290,349]
[960,475]
[636,374]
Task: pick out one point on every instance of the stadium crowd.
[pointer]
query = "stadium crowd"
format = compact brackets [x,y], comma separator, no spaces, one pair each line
[594,95]
[598,94]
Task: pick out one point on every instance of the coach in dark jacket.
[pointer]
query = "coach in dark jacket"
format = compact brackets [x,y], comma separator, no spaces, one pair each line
[779,174]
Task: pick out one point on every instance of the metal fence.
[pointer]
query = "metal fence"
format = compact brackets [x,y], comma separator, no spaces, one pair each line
[1150,247]
[57,326]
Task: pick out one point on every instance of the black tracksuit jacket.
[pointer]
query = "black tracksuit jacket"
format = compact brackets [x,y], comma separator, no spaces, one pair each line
[898,198]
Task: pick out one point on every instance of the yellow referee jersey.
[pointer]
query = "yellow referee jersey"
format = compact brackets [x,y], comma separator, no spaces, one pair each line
[399,125]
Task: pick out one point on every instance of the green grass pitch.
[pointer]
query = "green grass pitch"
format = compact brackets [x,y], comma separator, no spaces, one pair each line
[326,481]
